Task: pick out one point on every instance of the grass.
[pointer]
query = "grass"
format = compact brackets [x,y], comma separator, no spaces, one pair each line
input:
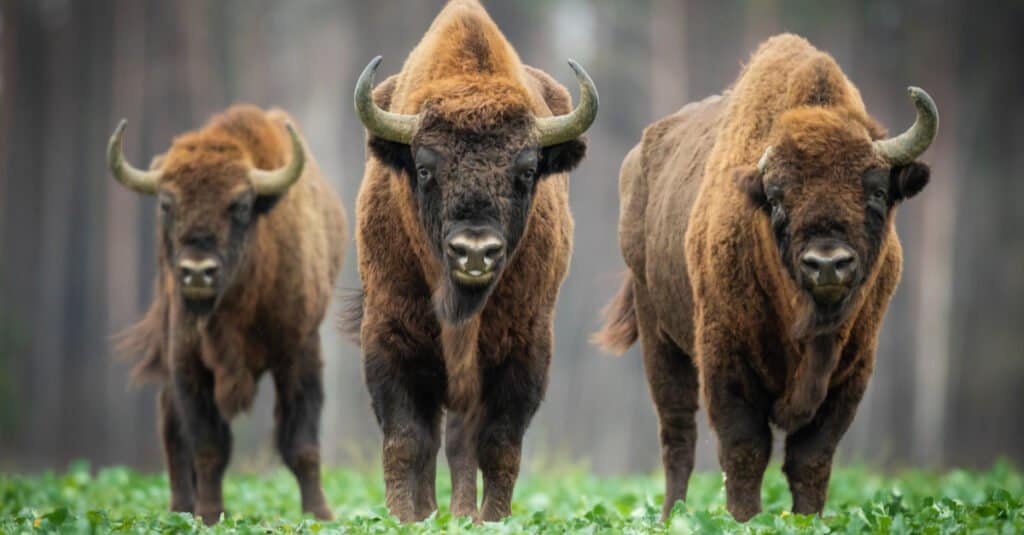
[120,500]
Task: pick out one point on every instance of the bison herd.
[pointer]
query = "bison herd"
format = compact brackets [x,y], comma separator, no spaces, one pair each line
[756,226]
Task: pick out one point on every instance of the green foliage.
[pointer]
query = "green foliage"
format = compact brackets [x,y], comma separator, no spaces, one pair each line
[118,500]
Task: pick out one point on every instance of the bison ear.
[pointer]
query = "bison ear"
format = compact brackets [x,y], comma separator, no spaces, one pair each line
[264,204]
[562,158]
[751,182]
[395,155]
[908,180]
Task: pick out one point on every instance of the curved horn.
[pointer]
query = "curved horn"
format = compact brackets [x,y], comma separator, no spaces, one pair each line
[132,178]
[381,123]
[555,130]
[276,181]
[904,148]
[762,164]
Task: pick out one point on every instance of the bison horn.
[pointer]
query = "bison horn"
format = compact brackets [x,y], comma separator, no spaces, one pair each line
[555,130]
[381,123]
[132,178]
[906,147]
[762,164]
[277,181]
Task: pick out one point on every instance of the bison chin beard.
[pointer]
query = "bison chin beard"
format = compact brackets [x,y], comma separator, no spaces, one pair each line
[456,303]
[814,319]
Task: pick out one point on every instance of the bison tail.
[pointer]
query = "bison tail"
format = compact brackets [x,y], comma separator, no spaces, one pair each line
[619,331]
[350,320]
[145,341]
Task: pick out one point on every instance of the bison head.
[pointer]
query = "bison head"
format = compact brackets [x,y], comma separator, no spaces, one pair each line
[210,196]
[829,191]
[474,156]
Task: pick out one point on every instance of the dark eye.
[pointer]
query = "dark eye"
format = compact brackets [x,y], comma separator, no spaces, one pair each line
[424,174]
[241,210]
[880,194]
[166,203]
[528,174]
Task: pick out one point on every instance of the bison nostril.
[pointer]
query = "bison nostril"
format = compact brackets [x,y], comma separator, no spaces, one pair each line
[475,250]
[493,253]
[844,264]
[194,272]
[811,263]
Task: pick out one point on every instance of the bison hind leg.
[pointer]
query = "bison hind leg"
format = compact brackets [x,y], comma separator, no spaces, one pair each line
[674,384]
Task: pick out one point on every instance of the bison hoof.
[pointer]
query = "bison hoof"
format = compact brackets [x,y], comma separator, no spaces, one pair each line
[209,516]
[321,512]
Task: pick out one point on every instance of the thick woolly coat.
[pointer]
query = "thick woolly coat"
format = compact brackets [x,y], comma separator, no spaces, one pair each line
[285,277]
[475,82]
[706,254]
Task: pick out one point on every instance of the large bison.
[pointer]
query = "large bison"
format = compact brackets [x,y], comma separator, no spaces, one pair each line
[758,231]
[464,236]
[250,241]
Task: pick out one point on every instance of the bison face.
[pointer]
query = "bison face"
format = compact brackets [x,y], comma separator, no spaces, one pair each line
[206,219]
[209,196]
[473,192]
[829,195]
[474,154]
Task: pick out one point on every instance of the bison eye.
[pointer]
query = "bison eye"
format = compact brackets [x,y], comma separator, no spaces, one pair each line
[528,174]
[241,210]
[880,194]
[424,174]
[166,203]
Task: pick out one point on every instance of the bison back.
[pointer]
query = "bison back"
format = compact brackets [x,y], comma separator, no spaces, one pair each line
[658,189]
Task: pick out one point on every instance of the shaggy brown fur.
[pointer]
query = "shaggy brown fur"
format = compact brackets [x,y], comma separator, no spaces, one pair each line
[740,320]
[280,256]
[427,342]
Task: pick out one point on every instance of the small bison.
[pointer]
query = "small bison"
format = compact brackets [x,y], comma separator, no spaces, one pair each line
[464,236]
[758,230]
[251,238]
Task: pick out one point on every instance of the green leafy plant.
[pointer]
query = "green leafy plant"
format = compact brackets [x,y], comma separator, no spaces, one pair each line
[119,500]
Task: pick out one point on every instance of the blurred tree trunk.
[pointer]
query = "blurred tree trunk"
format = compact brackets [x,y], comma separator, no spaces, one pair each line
[938,219]
[669,80]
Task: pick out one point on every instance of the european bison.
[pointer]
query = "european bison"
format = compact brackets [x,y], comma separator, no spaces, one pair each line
[785,191]
[250,241]
[464,236]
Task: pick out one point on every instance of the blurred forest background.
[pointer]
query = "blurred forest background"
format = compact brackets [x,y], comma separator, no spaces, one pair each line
[77,252]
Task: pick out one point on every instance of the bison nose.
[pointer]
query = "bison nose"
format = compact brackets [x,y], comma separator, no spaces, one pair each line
[198,277]
[829,266]
[475,252]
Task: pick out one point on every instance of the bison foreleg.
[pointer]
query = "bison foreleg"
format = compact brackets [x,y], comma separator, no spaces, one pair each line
[744,438]
[407,403]
[460,449]
[513,391]
[300,398]
[675,388]
[809,450]
[209,437]
[176,453]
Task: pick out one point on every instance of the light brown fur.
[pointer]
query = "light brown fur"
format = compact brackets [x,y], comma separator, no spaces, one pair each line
[266,319]
[712,287]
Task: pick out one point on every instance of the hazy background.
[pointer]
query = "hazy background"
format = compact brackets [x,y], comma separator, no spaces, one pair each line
[77,253]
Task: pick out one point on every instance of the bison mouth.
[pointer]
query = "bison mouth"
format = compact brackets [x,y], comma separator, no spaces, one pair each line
[199,306]
[473,278]
[456,301]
